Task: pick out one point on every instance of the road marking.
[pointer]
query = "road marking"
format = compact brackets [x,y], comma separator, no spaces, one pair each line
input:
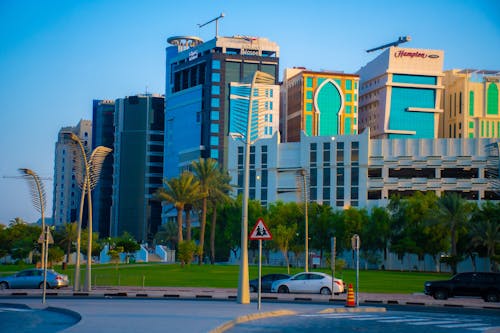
[464,325]
[471,324]
[403,320]
[14,310]
[435,322]
[487,328]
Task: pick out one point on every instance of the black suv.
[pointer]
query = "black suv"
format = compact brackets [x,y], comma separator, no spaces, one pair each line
[486,285]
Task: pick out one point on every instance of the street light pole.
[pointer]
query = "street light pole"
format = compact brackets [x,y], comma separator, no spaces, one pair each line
[92,171]
[38,198]
[303,174]
[306,217]
[253,121]
[76,139]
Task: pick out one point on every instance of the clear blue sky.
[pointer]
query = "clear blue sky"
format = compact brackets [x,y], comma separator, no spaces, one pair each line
[57,56]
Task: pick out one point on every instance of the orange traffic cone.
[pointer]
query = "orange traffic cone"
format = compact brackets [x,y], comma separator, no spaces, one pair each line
[350,301]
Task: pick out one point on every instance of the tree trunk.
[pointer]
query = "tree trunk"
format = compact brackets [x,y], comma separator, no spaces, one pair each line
[188,224]
[68,251]
[203,224]
[212,235]
[179,226]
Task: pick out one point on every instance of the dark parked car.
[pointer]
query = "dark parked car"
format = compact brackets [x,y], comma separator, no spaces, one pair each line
[267,282]
[32,279]
[485,285]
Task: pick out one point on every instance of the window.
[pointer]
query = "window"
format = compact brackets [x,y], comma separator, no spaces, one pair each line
[214,115]
[214,128]
[215,90]
[216,64]
[471,103]
[215,77]
[214,140]
[492,99]
[309,82]
[348,84]
[215,103]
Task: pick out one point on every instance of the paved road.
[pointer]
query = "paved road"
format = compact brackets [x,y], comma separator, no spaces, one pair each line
[190,309]
[142,315]
[442,321]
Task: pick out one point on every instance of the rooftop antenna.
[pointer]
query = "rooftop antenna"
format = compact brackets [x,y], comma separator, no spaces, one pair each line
[216,24]
[400,40]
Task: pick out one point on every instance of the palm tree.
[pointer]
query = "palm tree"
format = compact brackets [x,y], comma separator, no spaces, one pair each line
[69,236]
[179,191]
[218,193]
[205,171]
[453,212]
[485,230]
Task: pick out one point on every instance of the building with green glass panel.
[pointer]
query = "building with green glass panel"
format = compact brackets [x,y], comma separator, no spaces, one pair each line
[400,94]
[471,104]
[138,166]
[318,103]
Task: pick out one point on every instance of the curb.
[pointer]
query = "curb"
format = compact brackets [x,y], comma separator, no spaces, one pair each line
[243,319]
[202,295]
[279,313]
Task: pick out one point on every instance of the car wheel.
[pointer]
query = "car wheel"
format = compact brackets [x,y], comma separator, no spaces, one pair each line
[325,291]
[40,286]
[4,285]
[440,294]
[283,290]
[491,296]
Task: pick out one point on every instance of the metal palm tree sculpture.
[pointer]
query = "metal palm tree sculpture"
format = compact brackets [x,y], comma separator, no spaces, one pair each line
[87,172]
[37,197]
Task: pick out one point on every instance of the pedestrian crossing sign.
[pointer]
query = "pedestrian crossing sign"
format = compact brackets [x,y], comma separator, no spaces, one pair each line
[260,231]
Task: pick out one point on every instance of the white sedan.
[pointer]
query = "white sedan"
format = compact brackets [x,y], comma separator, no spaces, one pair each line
[315,283]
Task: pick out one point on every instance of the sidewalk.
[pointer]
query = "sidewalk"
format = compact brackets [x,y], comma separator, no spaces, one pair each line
[230,294]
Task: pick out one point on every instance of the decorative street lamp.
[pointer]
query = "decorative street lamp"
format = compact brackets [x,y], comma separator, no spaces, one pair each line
[92,170]
[38,199]
[302,173]
[249,120]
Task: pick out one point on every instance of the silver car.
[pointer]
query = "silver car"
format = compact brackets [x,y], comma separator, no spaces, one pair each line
[32,279]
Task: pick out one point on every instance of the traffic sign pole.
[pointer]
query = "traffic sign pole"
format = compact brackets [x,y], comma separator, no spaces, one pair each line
[260,274]
[260,232]
[333,241]
[355,241]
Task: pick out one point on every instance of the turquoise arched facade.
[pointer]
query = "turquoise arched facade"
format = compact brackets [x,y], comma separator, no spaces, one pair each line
[329,102]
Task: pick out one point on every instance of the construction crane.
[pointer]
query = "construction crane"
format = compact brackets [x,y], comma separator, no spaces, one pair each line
[400,40]
[216,24]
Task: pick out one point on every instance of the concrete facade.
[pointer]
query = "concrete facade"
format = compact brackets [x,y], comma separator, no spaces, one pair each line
[354,170]
[470,104]
[67,191]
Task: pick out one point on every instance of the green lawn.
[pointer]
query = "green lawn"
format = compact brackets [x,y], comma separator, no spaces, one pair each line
[226,276]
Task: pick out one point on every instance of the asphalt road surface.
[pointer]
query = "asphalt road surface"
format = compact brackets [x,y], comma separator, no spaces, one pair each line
[412,320]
